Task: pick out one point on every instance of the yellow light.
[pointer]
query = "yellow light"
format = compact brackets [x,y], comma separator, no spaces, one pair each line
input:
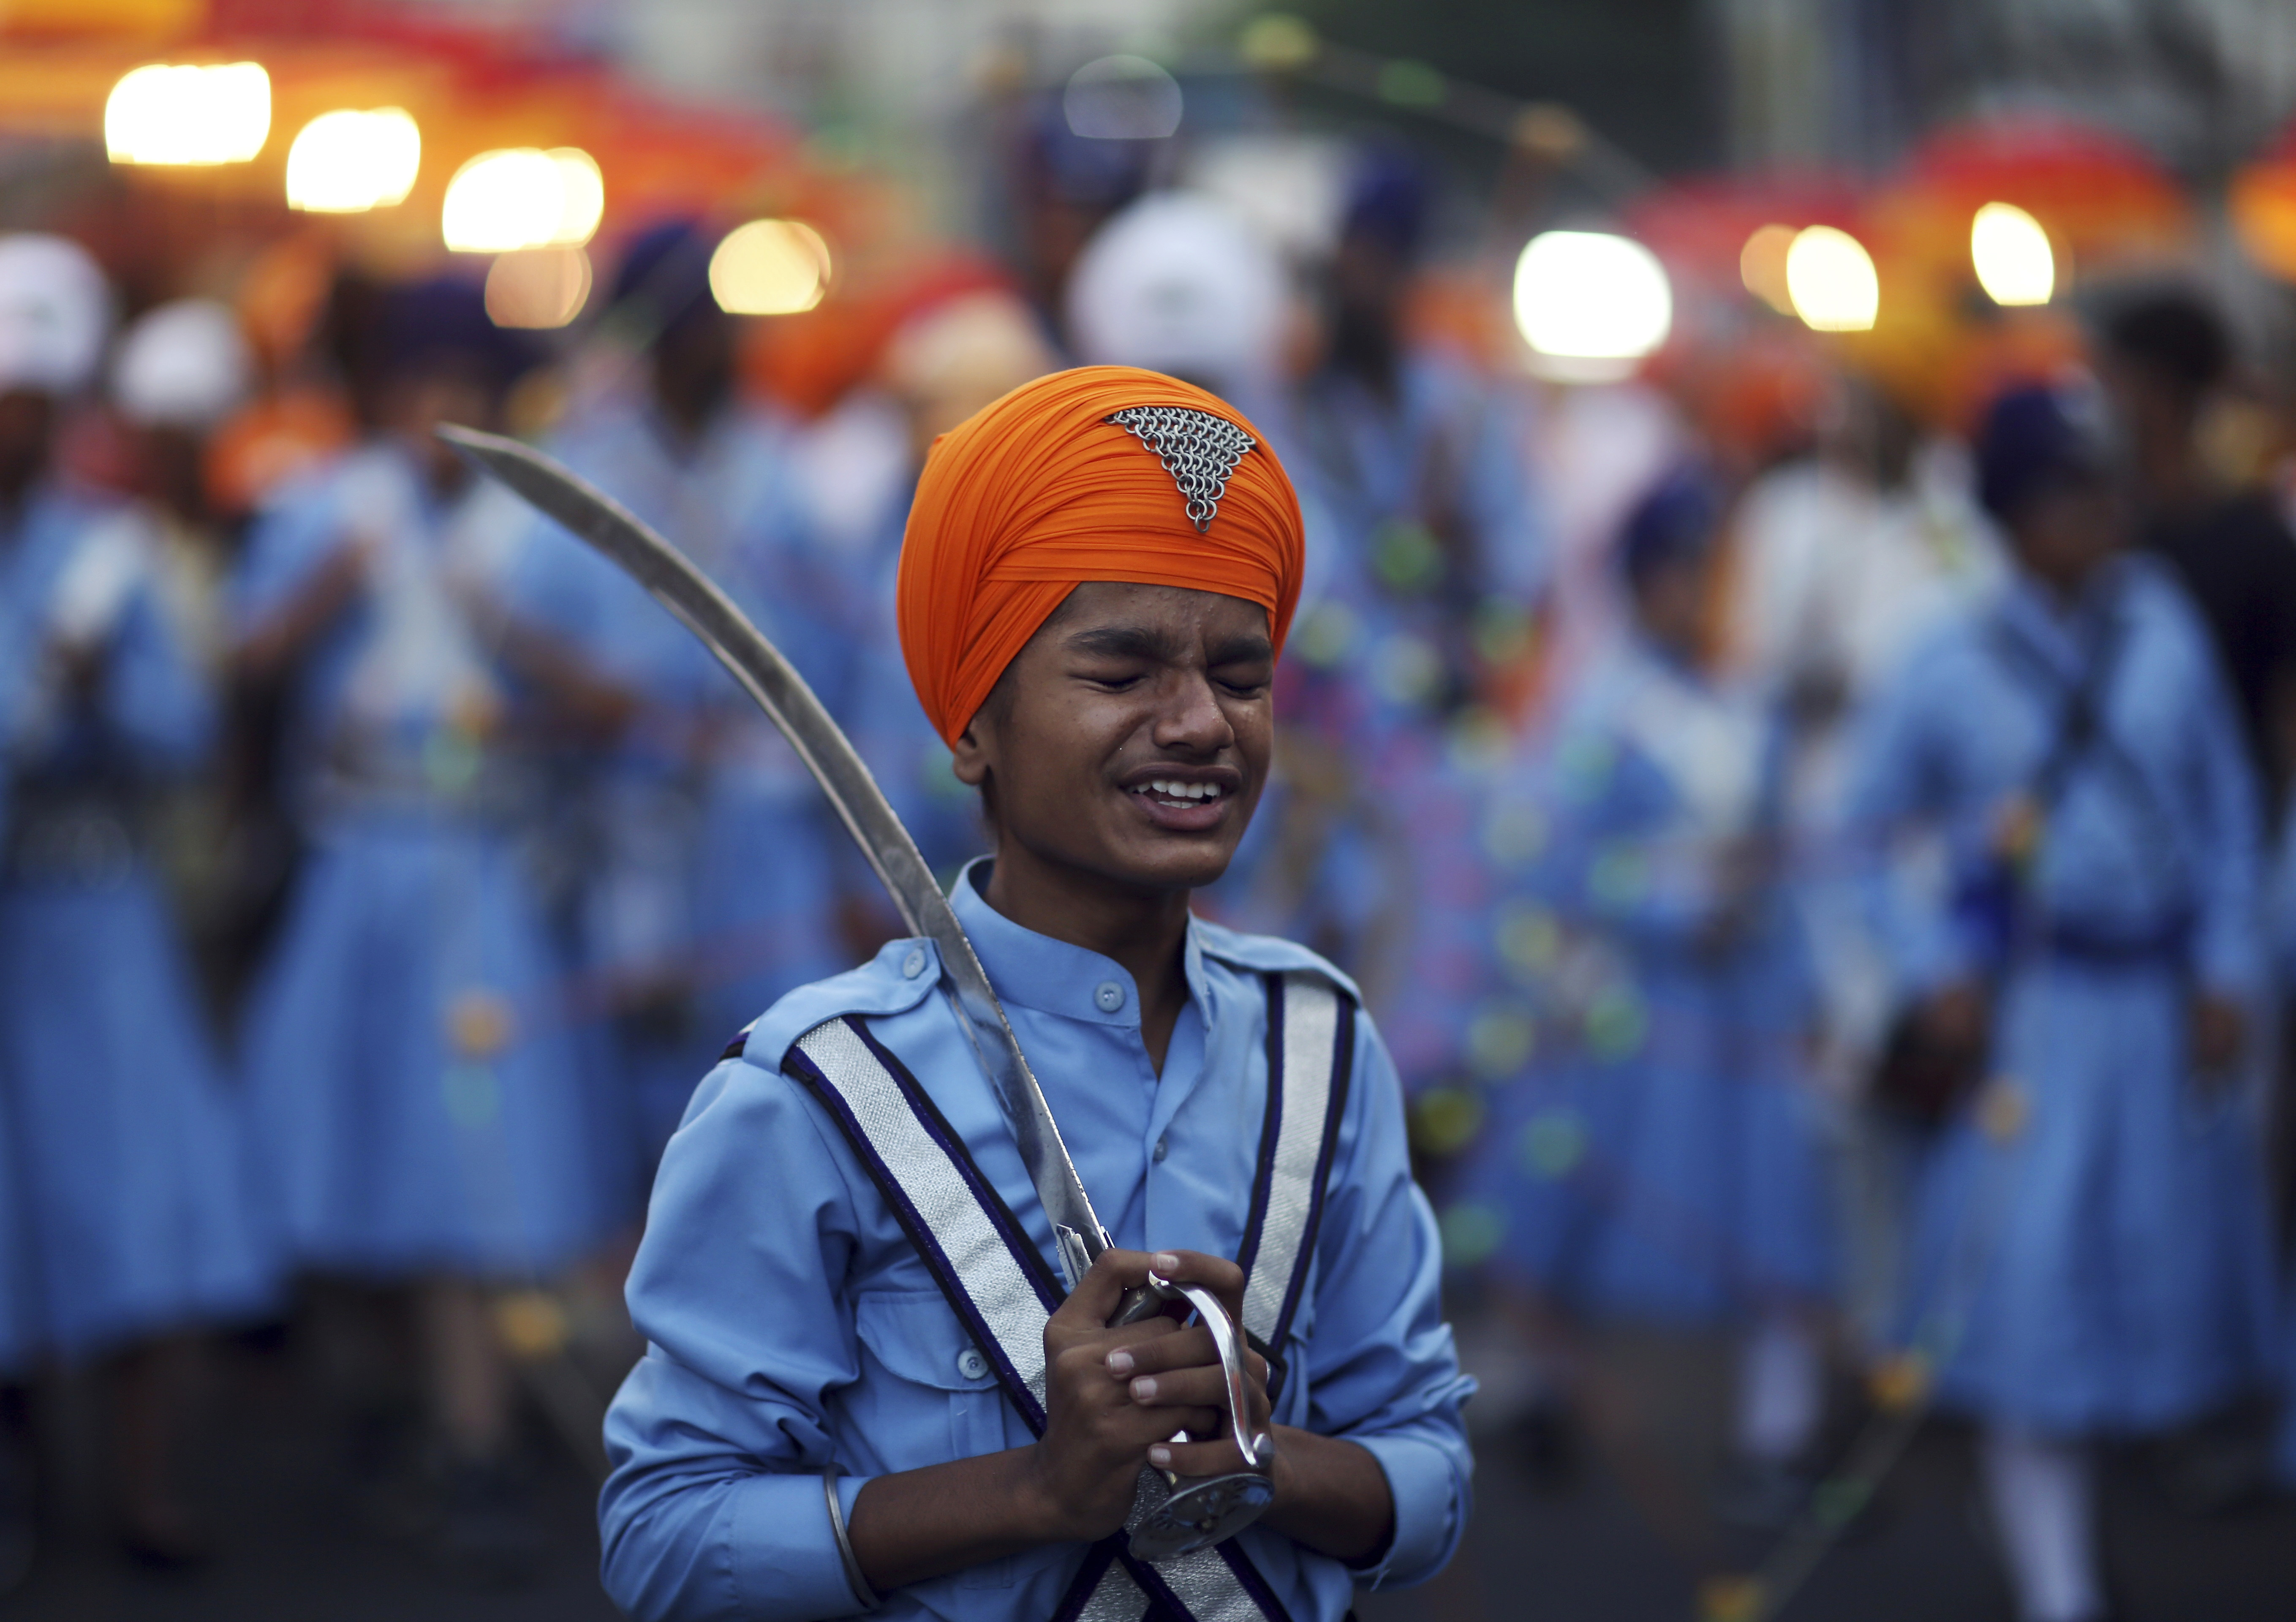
[522,197]
[1831,281]
[346,162]
[2011,252]
[581,196]
[1762,265]
[769,267]
[537,287]
[1593,302]
[163,113]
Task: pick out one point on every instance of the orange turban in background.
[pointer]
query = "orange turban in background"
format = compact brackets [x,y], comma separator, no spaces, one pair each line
[1038,492]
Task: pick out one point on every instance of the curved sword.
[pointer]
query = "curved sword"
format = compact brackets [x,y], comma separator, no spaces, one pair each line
[860,804]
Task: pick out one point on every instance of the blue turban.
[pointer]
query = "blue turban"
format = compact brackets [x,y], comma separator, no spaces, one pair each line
[1674,522]
[2034,437]
[667,270]
[1387,200]
[443,320]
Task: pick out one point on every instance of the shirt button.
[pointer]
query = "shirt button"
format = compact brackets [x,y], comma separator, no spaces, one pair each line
[1162,1149]
[913,964]
[971,1363]
[1109,996]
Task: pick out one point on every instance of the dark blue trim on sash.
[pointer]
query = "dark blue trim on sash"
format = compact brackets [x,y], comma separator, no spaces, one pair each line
[1270,1127]
[1016,1239]
[1343,1057]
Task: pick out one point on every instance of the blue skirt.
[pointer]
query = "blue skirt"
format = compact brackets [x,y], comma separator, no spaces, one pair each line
[2092,1253]
[129,1205]
[1665,1169]
[423,1106]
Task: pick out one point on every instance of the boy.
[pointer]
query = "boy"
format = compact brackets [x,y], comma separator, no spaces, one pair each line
[1097,577]
[2090,1252]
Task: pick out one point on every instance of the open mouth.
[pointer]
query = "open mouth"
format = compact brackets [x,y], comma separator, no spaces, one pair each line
[1177,795]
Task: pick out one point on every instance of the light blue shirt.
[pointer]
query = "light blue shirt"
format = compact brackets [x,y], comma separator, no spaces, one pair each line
[791,1325]
[2156,818]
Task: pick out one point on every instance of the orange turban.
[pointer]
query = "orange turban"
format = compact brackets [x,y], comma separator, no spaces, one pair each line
[1038,492]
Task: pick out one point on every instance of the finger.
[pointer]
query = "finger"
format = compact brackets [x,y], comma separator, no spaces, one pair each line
[1218,1458]
[1201,1388]
[1216,1274]
[1096,1295]
[1180,1348]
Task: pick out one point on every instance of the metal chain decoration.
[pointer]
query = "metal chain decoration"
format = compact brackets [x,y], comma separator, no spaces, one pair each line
[1198,449]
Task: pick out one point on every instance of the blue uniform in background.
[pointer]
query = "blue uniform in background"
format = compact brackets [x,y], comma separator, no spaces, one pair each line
[127,1204]
[1368,813]
[703,856]
[791,1324]
[2091,1252]
[1657,1156]
[2283,932]
[851,562]
[422,1103]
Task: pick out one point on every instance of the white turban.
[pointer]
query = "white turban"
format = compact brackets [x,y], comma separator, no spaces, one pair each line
[186,364]
[55,311]
[1176,284]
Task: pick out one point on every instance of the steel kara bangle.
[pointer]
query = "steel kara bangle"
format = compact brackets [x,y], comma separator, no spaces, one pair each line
[869,1597]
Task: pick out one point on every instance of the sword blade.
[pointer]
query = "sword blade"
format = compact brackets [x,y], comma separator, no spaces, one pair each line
[769,679]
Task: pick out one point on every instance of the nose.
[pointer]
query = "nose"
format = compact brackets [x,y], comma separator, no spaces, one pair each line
[1189,718]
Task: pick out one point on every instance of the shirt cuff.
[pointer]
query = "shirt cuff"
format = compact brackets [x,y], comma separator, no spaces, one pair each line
[784,1556]
[1425,1488]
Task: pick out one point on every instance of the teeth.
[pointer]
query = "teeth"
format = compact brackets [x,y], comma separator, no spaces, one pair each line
[1180,791]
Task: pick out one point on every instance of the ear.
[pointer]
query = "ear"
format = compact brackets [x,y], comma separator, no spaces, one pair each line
[975,748]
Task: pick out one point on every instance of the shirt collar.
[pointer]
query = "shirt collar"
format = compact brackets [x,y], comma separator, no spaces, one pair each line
[1033,971]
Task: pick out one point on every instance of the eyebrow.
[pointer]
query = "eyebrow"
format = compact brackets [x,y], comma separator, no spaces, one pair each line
[1145,642]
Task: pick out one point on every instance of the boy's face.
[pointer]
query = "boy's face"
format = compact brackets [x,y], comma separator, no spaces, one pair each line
[1124,689]
[1672,602]
[2062,532]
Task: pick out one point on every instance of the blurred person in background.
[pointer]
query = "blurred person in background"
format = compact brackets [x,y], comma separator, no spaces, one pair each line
[956,352]
[2091,1258]
[126,1209]
[1060,187]
[1657,1162]
[178,373]
[1429,520]
[1417,461]
[702,864]
[1841,561]
[419,1094]
[2166,360]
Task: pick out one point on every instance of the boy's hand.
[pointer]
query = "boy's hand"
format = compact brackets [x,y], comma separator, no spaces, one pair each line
[1113,1395]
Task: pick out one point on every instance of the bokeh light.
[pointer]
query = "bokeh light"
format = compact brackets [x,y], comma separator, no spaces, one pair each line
[164,113]
[1596,302]
[770,268]
[2012,256]
[1555,1141]
[1831,281]
[1500,1040]
[347,161]
[1471,1230]
[522,196]
[537,287]
[1122,98]
[1762,265]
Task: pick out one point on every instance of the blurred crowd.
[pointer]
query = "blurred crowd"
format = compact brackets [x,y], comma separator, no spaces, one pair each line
[1823,871]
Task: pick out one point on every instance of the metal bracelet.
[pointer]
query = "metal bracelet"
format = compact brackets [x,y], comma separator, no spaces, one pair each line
[869,1597]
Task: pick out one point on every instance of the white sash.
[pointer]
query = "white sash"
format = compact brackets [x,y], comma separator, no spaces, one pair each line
[1002,1291]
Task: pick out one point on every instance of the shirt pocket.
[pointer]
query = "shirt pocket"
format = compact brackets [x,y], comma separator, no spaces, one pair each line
[918,1345]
